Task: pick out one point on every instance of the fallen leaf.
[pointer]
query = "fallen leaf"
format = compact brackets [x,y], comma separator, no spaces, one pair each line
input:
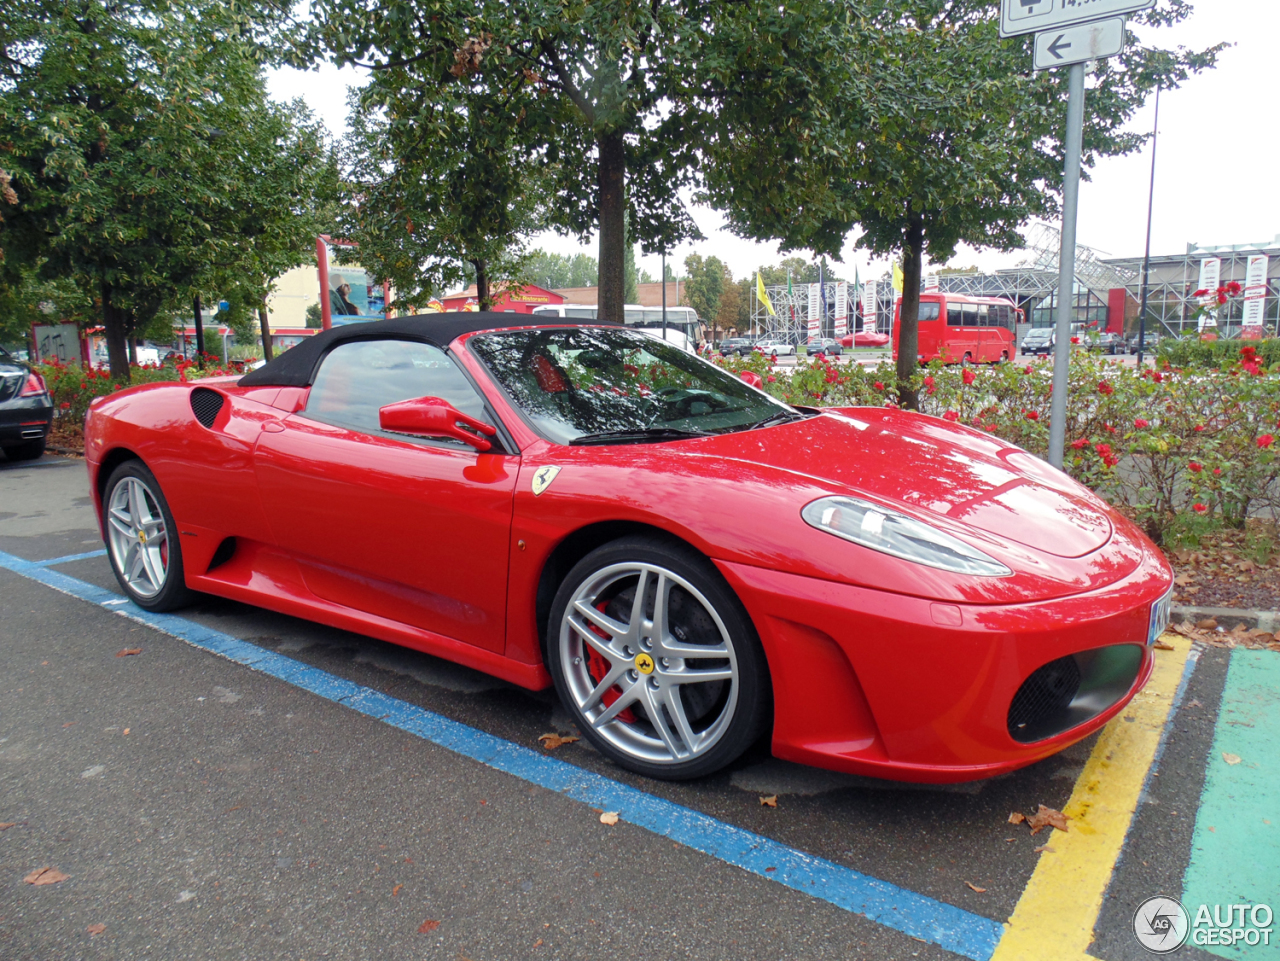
[69,724]
[96,928]
[396,890]
[1231,758]
[1194,703]
[1017,817]
[974,887]
[46,876]
[126,731]
[6,825]
[552,741]
[1046,817]
[769,802]
[1182,580]
[1208,624]
[538,943]
[128,651]
[1043,847]
[1162,646]
[428,926]
[609,817]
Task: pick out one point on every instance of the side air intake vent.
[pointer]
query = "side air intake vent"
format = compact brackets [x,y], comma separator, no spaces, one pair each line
[205,404]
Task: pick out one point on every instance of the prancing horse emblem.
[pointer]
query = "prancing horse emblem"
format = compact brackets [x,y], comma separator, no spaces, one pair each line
[542,479]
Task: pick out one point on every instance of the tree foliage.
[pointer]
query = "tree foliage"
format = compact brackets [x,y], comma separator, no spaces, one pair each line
[627,103]
[554,271]
[703,286]
[147,159]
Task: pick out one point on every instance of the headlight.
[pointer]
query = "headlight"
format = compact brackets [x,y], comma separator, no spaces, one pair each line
[890,532]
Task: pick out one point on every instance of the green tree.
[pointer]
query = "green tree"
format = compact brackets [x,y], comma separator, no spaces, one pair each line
[703,287]
[126,126]
[630,103]
[968,141]
[439,190]
[555,271]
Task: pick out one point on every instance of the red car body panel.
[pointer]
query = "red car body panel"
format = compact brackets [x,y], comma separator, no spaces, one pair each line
[879,666]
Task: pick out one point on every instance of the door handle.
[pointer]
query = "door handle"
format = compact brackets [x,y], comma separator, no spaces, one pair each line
[273,427]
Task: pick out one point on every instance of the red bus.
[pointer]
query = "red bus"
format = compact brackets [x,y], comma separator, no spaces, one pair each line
[959,329]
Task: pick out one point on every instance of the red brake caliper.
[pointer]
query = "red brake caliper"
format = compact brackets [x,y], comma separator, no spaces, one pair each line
[598,667]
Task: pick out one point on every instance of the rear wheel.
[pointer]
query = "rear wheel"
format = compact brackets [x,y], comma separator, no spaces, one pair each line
[966,360]
[655,658]
[31,450]
[142,540]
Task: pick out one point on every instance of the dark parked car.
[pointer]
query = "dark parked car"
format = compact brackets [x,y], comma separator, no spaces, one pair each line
[741,346]
[1108,343]
[824,345]
[26,410]
[1038,340]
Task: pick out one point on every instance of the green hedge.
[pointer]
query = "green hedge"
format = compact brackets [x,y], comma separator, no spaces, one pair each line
[1213,354]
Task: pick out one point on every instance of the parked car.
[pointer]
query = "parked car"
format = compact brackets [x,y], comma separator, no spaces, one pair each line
[1038,340]
[742,346]
[824,345]
[1149,343]
[776,348]
[26,410]
[568,507]
[1108,343]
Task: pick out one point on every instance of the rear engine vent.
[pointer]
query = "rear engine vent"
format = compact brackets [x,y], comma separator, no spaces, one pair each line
[205,404]
[1069,691]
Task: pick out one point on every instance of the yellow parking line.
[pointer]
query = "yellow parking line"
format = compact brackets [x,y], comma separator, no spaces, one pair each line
[1055,916]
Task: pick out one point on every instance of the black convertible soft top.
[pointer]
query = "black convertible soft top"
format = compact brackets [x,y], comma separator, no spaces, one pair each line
[297,366]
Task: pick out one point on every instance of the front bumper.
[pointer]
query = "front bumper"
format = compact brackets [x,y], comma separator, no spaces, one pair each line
[916,690]
[25,419]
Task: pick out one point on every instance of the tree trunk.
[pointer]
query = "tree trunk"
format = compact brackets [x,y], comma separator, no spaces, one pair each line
[483,296]
[265,324]
[133,350]
[117,337]
[195,306]
[613,240]
[908,323]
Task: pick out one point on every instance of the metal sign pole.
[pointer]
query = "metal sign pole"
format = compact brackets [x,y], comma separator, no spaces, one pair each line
[1066,264]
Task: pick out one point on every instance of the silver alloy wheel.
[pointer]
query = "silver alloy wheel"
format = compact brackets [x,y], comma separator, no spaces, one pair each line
[138,538]
[680,705]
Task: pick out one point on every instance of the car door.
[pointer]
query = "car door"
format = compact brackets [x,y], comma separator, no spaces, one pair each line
[411,529]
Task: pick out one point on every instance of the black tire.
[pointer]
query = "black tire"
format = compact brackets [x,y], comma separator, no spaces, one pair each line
[173,592]
[31,450]
[730,717]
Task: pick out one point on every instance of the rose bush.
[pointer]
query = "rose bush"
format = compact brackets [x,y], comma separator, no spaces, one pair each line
[1157,443]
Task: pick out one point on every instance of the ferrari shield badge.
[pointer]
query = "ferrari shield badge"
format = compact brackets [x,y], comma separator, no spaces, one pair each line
[542,479]
[644,663]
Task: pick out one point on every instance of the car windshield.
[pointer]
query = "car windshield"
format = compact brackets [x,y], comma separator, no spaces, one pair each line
[588,385]
[1043,333]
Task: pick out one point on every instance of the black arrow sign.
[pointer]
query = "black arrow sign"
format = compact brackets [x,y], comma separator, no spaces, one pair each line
[1058,45]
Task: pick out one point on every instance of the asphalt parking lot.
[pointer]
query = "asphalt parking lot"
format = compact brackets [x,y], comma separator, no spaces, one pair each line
[249,785]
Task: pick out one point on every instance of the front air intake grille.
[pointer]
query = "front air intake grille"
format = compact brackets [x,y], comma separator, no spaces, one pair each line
[206,404]
[1072,690]
[1045,693]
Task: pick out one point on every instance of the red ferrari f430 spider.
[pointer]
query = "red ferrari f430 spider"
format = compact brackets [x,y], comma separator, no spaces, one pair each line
[690,562]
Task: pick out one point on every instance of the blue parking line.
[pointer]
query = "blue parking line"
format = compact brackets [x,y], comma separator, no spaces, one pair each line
[962,932]
[67,559]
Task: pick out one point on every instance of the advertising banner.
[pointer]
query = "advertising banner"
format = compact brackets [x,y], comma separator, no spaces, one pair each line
[348,295]
[869,306]
[842,309]
[932,283]
[815,311]
[1255,296]
[1210,271]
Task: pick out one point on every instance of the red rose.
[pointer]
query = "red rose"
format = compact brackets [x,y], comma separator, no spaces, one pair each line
[1105,388]
[1199,428]
[1104,450]
[1032,415]
[1028,370]
[771,378]
[1080,443]
[65,405]
[951,415]
[1233,288]
[1202,292]
[1222,296]
[1217,472]
[1199,508]
[1265,441]
[928,381]
[1075,340]
[1195,468]
[1157,376]
[1140,424]
[1109,429]
[878,385]
[968,376]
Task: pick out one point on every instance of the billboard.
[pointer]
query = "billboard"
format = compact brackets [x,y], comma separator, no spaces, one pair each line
[869,306]
[60,342]
[348,295]
[1255,296]
[842,309]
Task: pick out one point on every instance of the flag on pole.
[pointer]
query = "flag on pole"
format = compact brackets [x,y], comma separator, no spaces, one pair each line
[762,296]
[897,278]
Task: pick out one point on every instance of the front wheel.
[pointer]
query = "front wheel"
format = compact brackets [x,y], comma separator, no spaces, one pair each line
[656,660]
[142,540]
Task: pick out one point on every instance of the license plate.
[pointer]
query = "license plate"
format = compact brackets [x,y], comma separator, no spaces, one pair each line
[1159,617]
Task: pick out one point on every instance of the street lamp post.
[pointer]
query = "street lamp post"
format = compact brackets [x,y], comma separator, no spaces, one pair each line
[1146,257]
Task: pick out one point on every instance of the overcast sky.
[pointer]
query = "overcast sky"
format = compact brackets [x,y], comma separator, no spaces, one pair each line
[1216,179]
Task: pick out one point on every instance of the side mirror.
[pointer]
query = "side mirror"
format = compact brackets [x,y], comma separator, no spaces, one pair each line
[435,417]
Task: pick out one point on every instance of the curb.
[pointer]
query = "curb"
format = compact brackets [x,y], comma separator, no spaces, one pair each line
[1229,617]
